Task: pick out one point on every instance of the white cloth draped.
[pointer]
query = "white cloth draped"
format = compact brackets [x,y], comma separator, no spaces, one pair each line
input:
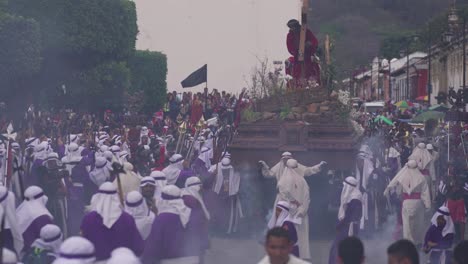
[31,209]
[107,205]
[11,222]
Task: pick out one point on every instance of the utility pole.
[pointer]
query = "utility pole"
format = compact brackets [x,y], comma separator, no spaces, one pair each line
[407,73]
[390,79]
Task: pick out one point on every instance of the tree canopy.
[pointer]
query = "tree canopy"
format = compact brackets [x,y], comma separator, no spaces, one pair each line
[79,53]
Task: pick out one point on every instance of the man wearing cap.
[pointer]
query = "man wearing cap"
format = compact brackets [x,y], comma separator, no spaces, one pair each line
[167,242]
[108,227]
[307,69]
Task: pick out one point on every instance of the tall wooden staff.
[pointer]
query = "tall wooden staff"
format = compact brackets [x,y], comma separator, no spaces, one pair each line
[303,36]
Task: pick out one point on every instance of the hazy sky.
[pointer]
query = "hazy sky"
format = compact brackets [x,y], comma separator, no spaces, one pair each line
[228,35]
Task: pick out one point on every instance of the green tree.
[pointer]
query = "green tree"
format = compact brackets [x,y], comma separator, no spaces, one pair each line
[148,72]
[105,85]
[20,47]
[89,29]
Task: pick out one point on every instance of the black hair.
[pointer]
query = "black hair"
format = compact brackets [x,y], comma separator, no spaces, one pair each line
[278,232]
[351,250]
[404,249]
[460,253]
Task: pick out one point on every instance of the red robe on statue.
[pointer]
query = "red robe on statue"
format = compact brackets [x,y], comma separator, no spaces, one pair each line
[311,69]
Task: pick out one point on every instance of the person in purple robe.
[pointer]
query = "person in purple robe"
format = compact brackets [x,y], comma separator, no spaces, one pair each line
[160,181]
[78,182]
[184,174]
[135,205]
[147,190]
[76,250]
[167,242]
[101,172]
[108,227]
[45,249]
[225,207]
[283,219]
[32,215]
[40,154]
[197,227]
[12,238]
[172,171]
[439,237]
[202,164]
[349,215]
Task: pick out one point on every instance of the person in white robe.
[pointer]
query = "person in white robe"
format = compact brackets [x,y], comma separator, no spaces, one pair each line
[32,214]
[76,250]
[72,158]
[160,181]
[172,171]
[278,169]
[136,206]
[8,203]
[293,189]
[422,156]
[278,246]
[129,180]
[364,169]
[416,199]
[101,172]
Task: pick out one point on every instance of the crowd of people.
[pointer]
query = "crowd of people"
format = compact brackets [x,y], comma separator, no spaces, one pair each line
[78,188]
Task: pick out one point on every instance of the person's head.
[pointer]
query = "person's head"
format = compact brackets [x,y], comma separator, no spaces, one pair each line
[351,251]
[402,252]
[148,186]
[441,221]
[144,140]
[286,156]
[460,254]
[278,245]
[294,25]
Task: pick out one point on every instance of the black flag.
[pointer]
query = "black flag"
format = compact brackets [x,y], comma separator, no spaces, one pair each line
[197,77]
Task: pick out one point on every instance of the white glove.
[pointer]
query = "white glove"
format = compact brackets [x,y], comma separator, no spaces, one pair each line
[263,163]
[323,163]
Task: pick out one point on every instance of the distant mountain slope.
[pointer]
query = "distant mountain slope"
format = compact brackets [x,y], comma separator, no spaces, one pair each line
[358,26]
